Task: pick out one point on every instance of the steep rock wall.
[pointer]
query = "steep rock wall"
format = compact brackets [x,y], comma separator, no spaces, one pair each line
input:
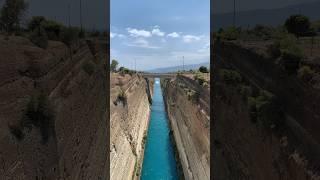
[76,143]
[244,149]
[190,124]
[129,120]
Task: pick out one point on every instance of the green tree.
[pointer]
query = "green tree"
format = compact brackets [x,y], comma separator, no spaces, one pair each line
[113,65]
[53,29]
[69,35]
[35,22]
[39,37]
[298,25]
[11,14]
[203,69]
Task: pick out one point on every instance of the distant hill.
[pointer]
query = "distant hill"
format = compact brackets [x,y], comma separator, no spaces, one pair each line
[177,68]
[272,17]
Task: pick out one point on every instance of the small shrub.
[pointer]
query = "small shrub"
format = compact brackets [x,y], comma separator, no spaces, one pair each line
[267,109]
[35,22]
[88,67]
[230,76]
[69,35]
[290,60]
[39,114]
[245,91]
[274,50]
[252,109]
[82,34]
[122,97]
[291,53]
[230,33]
[39,38]
[200,79]
[17,132]
[305,73]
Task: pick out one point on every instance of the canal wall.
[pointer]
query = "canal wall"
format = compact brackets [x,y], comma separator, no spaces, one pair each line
[190,125]
[130,98]
[70,142]
[280,142]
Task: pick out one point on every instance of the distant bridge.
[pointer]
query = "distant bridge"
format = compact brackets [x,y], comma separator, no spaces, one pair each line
[158,75]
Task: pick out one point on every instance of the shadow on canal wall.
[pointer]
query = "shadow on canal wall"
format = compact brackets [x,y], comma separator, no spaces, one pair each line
[190,126]
[252,141]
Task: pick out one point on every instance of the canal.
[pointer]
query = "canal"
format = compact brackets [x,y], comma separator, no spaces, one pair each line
[159,162]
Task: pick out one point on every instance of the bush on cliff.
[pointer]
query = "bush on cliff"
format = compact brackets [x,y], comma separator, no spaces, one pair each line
[122,97]
[266,108]
[200,79]
[39,113]
[70,35]
[230,33]
[39,38]
[305,73]
[52,28]
[17,132]
[230,76]
[287,48]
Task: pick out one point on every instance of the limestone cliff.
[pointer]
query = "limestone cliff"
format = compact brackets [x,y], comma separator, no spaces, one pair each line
[130,98]
[187,105]
[52,110]
[264,123]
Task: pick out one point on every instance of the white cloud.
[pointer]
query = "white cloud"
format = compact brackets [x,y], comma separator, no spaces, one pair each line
[173,35]
[191,38]
[157,32]
[121,36]
[142,43]
[138,33]
[113,35]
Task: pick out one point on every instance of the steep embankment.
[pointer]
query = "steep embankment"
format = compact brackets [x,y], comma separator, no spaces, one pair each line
[130,98]
[265,121]
[53,110]
[187,105]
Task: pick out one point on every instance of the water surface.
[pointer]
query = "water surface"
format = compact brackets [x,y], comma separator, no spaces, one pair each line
[158,162]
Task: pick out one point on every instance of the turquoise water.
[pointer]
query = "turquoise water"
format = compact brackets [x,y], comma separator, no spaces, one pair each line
[158,162]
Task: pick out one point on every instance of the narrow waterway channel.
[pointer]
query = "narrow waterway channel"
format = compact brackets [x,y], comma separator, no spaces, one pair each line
[159,161]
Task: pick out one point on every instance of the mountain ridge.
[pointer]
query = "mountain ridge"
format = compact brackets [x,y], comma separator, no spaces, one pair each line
[271,17]
[177,68]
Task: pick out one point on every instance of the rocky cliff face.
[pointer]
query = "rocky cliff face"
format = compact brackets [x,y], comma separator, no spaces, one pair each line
[187,105]
[130,98]
[264,121]
[52,111]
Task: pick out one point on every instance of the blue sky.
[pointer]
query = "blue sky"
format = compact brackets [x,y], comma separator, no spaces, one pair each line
[157,33]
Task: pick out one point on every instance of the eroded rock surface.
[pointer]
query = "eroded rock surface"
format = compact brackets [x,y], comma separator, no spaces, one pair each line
[73,143]
[129,120]
[187,105]
[250,144]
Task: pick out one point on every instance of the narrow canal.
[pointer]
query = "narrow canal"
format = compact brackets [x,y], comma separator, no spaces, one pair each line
[159,162]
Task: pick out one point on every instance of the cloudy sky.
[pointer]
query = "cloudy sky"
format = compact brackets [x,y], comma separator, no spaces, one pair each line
[159,33]
[222,6]
[94,12]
